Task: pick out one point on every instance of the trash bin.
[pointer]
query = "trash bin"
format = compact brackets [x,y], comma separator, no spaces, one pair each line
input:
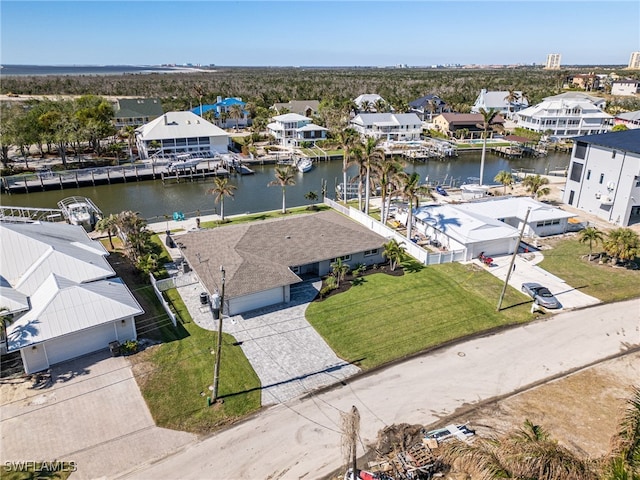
[169,242]
[114,347]
[204,298]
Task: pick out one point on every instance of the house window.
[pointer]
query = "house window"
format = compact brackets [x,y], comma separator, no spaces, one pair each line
[601,178]
[344,258]
[571,195]
[296,270]
[588,174]
[369,253]
[576,171]
[581,150]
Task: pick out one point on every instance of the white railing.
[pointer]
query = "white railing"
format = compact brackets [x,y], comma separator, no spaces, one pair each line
[165,305]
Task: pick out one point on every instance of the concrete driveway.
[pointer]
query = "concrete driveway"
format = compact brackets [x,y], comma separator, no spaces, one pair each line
[288,355]
[91,413]
[527,270]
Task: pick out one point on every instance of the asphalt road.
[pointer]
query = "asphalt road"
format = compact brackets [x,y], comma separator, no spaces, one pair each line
[301,439]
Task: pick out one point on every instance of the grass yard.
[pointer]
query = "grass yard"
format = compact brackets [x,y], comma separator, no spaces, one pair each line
[263,216]
[387,317]
[607,283]
[174,377]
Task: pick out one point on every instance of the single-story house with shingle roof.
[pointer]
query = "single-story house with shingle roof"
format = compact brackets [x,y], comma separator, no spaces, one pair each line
[263,259]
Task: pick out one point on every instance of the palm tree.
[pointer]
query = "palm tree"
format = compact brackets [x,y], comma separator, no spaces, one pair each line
[222,188]
[512,97]
[526,453]
[110,225]
[488,123]
[624,452]
[236,113]
[199,90]
[394,252]
[622,244]
[348,139]
[385,172]
[505,178]
[592,236]
[371,154]
[357,159]
[536,185]
[412,190]
[129,132]
[339,270]
[135,233]
[284,177]
[380,106]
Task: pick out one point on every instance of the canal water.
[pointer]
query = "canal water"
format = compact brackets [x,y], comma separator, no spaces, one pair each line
[153,200]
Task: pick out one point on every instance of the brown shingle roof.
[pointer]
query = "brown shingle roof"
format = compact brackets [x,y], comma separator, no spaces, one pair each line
[257,256]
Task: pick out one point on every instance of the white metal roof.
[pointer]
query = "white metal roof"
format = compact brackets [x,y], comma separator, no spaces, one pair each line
[367,98]
[12,300]
[309,127]
[290,117]
[32,251]
[556,107]
[387,119]
[61,306]
[515,207]
[179,125]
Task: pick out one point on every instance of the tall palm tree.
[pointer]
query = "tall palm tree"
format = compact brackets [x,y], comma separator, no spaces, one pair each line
[284,177]
[236,112]
[511,98]
[348,139]
[505,178]
[622,244]
[222,188]
[590,235]
[371,153]
[624,452]
[135,233]
[488,124]
[380,106]
[412,190]
[199,90]
[357,159]
[536,185]
[384,172]
[110,226]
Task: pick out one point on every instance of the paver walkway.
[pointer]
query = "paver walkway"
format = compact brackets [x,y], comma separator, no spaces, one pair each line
[288,355]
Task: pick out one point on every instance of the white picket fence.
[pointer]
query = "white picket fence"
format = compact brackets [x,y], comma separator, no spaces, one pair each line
[423,256]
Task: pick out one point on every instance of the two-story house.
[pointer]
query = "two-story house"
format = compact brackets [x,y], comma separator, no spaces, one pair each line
[369,102]
[502,101]
[223,112]
[626,87]
[566,116]
[136,111]
[307,108]
[429,106]
[292,130]
[468,125]
[388,126]
[604,176]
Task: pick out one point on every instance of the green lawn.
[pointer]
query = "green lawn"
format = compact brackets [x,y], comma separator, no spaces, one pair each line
[174,377]
[604,282]
[387,317]
[263,216]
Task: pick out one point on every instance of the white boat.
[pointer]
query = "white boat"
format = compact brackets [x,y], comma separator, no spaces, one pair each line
[474,188]
[304,165]
[80,211]
[183,162]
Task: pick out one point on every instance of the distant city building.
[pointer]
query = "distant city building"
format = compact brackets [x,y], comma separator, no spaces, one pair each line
[634,61]
[603,176]
[553,61]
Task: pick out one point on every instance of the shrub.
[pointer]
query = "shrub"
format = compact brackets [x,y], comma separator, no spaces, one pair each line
[359,270]
[129,347]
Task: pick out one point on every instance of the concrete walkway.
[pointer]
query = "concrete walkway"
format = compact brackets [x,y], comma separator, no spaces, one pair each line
[288,355]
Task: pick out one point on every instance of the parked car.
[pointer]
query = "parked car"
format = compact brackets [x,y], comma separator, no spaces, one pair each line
[541,295]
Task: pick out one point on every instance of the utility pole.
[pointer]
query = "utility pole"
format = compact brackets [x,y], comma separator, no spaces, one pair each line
[513,259]
[216,370]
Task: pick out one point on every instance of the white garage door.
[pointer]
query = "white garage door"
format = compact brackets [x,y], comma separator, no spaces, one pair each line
[80,343]
[494,247]
[256,300]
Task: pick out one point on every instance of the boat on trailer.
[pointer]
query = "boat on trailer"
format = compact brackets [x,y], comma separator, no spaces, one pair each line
[80,211]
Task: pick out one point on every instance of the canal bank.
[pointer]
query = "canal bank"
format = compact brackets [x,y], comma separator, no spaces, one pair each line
[156,201]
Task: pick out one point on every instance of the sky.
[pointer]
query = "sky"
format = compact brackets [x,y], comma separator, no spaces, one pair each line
[317,33]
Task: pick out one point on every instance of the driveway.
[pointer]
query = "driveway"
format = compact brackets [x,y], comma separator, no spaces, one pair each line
[90,413]
[527,270]
[288,355]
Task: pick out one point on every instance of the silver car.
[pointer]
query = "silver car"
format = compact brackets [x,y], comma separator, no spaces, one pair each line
[541,295]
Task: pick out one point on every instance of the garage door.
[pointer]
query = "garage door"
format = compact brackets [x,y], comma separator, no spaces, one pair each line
[490,248]
[256,300]
[80,343]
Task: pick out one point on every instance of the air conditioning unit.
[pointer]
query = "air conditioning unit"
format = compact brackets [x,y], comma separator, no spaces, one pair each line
[598,195]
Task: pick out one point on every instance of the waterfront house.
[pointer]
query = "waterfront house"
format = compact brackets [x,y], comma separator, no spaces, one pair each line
[566,116]
[469,124]
[221,112]
[136,111]
[604,176]
[263,259]
[625,87]
[499,101]
[388,126]
[428,107]
[491,226]
[180,132]
[367,102]
[306,108]
[630,119]
[293,130]
[62,295]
